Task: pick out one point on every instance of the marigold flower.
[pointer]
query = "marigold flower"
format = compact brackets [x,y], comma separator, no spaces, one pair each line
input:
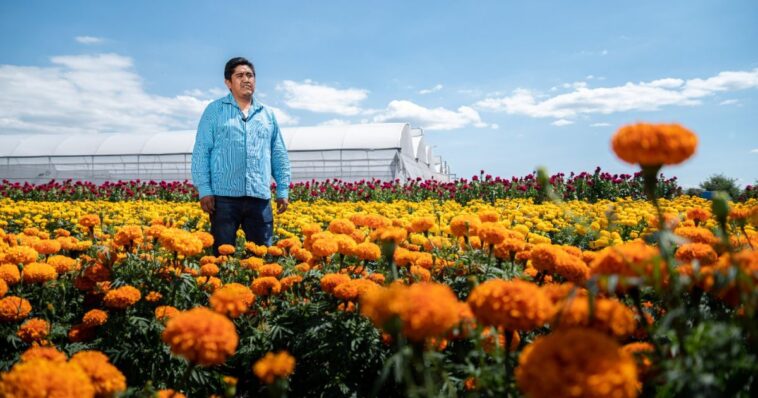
[122,297]
[165,312]
[654,144]
[367,251]
[47,246]
[106,378]
[169,393]
[232,299]
[10,274]
[698,215]
[514,305]
[289,281]
[492,233]
[555,259]
[3,287]
[266,285]
[465,225]
[422,224]
[201,336]
[696,234]
[209,270]
[608,316]
[181,241]
[576,363]
[420,274]
[341,226]
[43,352]
[226,250]
[153,297]
[21,255]
[376,278]
[271,270]
[129,235]
[208,283]
[34,329]
[39,273]
[274,366]
[89,220]
[353,289]
[330,281]
[62,264]
[628,259]
[40,378]
[391,233]
[94,318]
[205,238]
[701,252]
[324,247]
[13,308]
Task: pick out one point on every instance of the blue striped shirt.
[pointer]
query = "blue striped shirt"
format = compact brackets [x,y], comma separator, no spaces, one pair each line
[236,156]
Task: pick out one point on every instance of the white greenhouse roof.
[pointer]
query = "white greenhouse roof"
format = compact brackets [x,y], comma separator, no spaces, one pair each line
[359,137]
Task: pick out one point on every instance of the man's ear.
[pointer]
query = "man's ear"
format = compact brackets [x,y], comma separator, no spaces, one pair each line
[228,84]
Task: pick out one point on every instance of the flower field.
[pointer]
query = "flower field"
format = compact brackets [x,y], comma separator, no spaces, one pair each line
[540,296]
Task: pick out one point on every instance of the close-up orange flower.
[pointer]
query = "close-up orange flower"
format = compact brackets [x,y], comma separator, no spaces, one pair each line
[274,366]
[105,378]
[654,144]
[33,330]
[122,297]
[512,305]
[14,308]
[201,336]
[232,299]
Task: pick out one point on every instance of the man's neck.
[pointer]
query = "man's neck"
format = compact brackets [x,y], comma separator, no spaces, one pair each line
[242,102]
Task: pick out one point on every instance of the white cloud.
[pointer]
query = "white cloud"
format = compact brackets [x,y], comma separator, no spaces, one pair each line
[428,118]
[562,122]
[643,96]
[88,94]
[434,89]
[211,93]
[89,39]
[729,102]
[754,150]
[319,98]
[600,125]
[335,122]
[284,118]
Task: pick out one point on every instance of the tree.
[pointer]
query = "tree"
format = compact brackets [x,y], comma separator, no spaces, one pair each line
[720,182]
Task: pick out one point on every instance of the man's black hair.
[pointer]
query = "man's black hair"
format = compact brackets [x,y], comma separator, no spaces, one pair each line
[235,62]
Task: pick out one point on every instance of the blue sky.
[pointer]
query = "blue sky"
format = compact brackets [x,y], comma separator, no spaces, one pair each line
[502,86]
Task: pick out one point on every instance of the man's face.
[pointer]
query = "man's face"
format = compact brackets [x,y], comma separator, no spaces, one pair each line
[242,83]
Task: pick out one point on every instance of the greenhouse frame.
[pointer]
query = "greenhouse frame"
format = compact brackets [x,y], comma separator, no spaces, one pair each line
[386,151]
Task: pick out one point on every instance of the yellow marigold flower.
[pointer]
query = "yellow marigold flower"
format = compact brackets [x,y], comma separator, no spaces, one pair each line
[701,252]
[165,312]
[232,299]
[13,308]
[422,224]
[310,229]
[39,273]
[106,378]
[608,316]
[153,297]
[201,336]
[423,308]
[209,270]
[324,247]
[271,270]
[169,393]
[367,251]
[89,220]
[289,281]
[654,144]
[330,281]
[341,226]
[94,318]
[492,233]
[576,363]
[34,329]
[62,264]
[41,378]
[43,352]
[122,297]
[21,255]
[266,285]
[226,250]
[514,305]
[10,274]
[465,224]
[3,287]
[47,246]
[274,366]
[205,238]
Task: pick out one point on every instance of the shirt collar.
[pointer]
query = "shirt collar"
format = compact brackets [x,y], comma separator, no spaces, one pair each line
[229,99]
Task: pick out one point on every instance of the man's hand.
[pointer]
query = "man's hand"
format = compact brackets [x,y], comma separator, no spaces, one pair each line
[281,205]
[208,204]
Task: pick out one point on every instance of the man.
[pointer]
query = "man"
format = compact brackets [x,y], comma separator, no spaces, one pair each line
[237,148]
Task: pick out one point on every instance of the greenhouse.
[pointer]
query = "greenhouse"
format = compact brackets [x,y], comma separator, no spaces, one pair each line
[350,152]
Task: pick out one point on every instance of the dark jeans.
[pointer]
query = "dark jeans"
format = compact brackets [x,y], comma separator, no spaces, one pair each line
[254,215]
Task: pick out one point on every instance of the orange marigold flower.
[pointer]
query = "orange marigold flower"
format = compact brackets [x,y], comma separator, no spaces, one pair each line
[232,299]
[641,351]
[324,247]
[10,273]
[628,259]
[558,291]
[3,287]
[420,274]
[34,329]
[226,250]
[89,220]
[40,377]
[492,233]
[391,233]
[21,255]
[654,144]
[205,238]
[275,251]
[422,224]
[271,270]
[122,297]
[509,247]
[488,216]
[129,235]
[169,393]
[39,273]
[201,336]
[13,308]
[47,246]
[43,352]
[353,289]
[62,264]
[465,225]
[576,363]
[608,316]
[274,366]
[153,297]
[310,229]
[165,312]
[330,281]
[701,252]
[94,318]
[252,263]
[266,285]
[423,308]
[181,241]
[208,283]
[341,226]
[106,378]
[514,305]
[367,251]
[209,270]
[377,278]
[289,281]
[556,259]
[289,243]
[696,234]
[698,214]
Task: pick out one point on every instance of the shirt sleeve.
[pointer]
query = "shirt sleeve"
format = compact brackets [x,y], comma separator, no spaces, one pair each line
[280,162]
[201,154]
